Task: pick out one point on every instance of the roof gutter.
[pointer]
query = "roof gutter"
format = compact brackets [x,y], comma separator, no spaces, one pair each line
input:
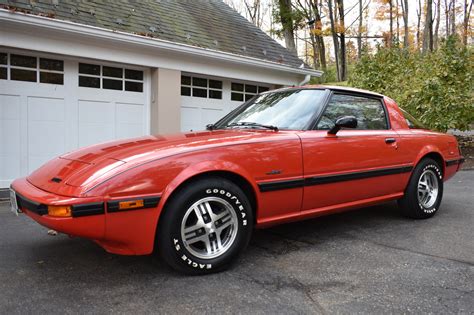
[124,37]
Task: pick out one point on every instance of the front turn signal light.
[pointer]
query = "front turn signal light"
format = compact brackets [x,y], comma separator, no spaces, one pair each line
[59,211]
[123,205]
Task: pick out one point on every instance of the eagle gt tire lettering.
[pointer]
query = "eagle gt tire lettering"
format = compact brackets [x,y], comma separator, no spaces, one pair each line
[424,191]
[205,226]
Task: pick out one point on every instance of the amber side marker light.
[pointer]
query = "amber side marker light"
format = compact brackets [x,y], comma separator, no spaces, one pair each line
[130,204]
[59,211]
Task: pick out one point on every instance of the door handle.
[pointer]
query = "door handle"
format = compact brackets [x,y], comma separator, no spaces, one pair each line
[390,140]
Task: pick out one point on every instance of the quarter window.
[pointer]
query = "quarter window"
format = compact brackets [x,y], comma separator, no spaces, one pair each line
[201,87]
[31,69]
[412,122]
[241,91]
[369,112]
[110,78]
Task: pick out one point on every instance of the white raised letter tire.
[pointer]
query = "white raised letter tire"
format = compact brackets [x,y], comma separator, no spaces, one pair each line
[205,226]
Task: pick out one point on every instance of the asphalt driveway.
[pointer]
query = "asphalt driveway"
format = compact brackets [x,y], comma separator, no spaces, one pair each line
[370,260]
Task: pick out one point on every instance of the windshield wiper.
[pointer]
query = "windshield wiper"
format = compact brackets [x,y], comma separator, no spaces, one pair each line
[211,127]
[252,124]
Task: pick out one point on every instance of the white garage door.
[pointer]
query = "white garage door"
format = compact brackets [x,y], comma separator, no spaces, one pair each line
[50,105]
[204,100]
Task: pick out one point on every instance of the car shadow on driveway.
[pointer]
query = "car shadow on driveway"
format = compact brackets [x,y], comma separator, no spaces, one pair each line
[73,254]
[349,262]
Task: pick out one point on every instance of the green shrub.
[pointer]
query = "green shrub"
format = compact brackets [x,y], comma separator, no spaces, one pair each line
[437,87]
[328,76]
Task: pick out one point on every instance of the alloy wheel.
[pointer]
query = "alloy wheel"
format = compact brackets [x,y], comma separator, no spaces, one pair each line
[209,227]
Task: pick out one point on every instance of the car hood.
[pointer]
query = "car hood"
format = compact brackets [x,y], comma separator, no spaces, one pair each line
[74,173]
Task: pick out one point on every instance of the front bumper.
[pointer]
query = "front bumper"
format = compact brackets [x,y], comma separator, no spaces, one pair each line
[117,231]
[88,214]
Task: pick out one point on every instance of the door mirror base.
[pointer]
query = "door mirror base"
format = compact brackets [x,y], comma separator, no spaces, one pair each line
[343,122]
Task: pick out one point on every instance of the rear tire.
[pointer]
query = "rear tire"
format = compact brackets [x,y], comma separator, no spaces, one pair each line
[424,191]
[205,226]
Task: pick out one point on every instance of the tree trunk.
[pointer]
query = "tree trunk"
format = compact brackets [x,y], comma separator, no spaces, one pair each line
[287,25]
[446,16]
[438,19]
[359,32]
[314,46]
[334,38]
[418,13]
[428,30]
[342,36]
[319,38]
[397,18]
[453,17]
[405,23]
[467,14]
[390,40]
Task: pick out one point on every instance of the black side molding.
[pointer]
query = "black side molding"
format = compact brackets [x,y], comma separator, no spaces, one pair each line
[320,180]
[282,184]
[455,161]
[148,202]
[87,209]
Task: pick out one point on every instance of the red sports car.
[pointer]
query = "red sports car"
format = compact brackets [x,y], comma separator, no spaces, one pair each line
[285,155]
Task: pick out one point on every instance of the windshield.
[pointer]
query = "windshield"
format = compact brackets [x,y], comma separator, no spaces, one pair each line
[291,109]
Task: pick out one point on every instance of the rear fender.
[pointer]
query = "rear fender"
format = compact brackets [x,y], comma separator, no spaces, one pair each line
[430,149]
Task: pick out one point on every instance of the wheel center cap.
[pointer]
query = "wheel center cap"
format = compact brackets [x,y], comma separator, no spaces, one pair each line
[210,228]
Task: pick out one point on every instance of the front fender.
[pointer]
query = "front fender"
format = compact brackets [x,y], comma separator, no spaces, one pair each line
[206,167]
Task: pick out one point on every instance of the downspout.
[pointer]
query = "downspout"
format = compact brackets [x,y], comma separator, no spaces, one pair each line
[305,80]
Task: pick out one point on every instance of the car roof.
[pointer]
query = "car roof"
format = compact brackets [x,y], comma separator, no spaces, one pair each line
[333,88]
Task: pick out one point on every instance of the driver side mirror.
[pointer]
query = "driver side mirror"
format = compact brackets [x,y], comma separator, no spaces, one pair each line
[343,122]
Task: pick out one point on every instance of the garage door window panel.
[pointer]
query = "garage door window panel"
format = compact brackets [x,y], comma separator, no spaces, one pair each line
[199,92]
[89,82]
[241,91]
[199,82]
[52,78]
[23,61]
[23,68]
[89,69]
[112,78]
[133,86]
[51,71]
[3,66]
[3,58]
[112,84]
[51,64]
[201,87]
[112,72]
[22,75]
[31,69]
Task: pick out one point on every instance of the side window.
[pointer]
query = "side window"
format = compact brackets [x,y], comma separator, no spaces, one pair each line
[369,112]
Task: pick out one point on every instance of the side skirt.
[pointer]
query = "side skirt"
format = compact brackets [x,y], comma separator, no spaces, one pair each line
[313,213]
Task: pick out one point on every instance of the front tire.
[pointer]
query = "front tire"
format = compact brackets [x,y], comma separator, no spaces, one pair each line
[424,191]
[205,226]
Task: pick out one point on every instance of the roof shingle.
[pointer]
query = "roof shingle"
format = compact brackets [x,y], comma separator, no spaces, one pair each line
[210,24]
